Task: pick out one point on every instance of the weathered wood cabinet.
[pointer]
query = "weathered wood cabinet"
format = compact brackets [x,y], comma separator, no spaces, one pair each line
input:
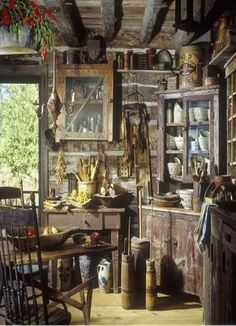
[220,269]
[173,247]
[86,91]
[197,117]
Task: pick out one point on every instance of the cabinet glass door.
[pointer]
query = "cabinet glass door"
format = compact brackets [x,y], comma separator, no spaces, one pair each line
[198,142]
[85,114]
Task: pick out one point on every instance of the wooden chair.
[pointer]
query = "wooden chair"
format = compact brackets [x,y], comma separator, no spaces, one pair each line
[12,196]
[25,301]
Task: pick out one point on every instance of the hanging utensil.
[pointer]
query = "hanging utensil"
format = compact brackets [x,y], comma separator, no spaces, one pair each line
[54,104]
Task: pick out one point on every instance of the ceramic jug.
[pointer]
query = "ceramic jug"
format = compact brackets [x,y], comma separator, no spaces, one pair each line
[178,113]
[104,275]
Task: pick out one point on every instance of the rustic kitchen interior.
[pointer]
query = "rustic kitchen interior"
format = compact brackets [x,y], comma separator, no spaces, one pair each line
[135,203]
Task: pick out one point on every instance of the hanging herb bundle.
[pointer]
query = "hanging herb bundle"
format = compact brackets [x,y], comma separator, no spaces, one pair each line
[60,169]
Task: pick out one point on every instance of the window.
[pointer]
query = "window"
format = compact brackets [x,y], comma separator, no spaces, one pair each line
[19,136]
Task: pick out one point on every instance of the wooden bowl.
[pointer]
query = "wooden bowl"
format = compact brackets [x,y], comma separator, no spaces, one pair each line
[118,201]
[165,203]
[47,242]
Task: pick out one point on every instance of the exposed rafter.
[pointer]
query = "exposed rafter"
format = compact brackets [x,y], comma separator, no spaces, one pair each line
[108,18]
[213,10]
[151,12]
[64,11]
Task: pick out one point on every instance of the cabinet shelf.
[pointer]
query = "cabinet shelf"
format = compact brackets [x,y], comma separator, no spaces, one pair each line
[221,57]
[148,71]
[173,124]
[199,123]
[174,151]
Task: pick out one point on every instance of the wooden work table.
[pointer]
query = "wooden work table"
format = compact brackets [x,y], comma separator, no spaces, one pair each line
[112,220]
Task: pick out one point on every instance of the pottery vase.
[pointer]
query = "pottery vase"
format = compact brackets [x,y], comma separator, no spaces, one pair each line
[104,275]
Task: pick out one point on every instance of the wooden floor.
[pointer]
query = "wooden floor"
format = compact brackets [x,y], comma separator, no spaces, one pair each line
[107,310]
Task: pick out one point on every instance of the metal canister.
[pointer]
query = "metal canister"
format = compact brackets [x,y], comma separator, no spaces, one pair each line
[190,62]
[127,60]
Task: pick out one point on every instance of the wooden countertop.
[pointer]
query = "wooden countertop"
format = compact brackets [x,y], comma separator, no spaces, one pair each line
[101,209]
[171,209]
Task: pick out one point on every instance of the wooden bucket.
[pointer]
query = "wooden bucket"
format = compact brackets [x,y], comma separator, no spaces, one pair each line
[127,282]
[141,250]
[190,62]
[151,285]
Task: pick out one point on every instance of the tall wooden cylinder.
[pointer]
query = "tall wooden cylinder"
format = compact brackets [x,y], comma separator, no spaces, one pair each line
[140,248]
[151,286]
[127,282]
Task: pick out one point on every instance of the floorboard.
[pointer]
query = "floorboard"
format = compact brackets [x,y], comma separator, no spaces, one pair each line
[107,310]
[171,310]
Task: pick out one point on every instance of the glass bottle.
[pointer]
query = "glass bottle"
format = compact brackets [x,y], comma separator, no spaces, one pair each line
[169,113]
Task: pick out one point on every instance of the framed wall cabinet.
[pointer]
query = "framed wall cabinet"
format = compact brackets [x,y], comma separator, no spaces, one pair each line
[190,129]
[86,91]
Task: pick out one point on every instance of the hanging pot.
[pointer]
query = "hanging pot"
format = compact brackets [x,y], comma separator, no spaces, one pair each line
[11,43]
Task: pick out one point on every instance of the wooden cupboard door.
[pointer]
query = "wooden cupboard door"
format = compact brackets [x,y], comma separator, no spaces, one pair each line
[155,227]
[187,261]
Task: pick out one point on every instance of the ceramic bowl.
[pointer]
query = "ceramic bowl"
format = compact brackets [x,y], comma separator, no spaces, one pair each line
[175,169]
[200,113]
[179,143]
[186,196]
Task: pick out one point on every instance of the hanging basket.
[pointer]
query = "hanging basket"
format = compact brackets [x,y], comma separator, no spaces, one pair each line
[11,43]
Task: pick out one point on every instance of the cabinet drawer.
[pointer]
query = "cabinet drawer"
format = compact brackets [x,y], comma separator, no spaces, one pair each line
[229,238]
[85,221]
[112,221]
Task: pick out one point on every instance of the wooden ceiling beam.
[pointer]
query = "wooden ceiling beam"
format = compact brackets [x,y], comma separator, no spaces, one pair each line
[213,10]
[149,19]
[108,19]
[68,21]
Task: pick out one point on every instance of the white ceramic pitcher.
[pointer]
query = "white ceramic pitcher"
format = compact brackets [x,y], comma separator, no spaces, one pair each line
[104,270]
[178,113]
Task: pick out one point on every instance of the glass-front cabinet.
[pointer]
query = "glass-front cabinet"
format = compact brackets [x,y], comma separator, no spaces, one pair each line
[86,92]
[189,129]
[230,73]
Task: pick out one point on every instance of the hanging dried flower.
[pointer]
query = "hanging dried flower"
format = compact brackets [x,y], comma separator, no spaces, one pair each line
[60,169]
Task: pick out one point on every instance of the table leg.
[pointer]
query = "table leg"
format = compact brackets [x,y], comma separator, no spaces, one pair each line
[54,274]
[115,259]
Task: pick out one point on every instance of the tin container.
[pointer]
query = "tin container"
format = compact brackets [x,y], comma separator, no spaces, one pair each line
[190,62]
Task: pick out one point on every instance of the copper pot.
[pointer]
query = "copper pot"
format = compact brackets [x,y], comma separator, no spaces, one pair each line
[208,81]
